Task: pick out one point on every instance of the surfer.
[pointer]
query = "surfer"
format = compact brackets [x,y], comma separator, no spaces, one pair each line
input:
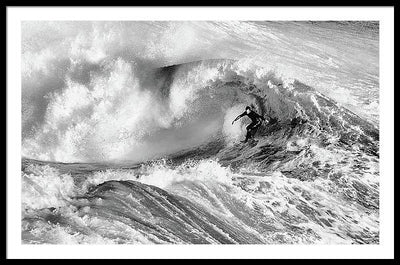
[256,120]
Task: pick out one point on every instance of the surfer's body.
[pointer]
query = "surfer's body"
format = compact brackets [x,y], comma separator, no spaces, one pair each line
[256,121]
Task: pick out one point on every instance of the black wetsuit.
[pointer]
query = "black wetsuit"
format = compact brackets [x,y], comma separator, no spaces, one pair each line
[255,123]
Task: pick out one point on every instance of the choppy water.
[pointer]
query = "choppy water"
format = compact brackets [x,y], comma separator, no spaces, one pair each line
[138,117]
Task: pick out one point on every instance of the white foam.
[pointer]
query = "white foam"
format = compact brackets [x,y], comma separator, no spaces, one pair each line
[46,187]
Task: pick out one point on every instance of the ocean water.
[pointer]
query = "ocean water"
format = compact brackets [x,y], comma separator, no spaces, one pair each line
[127,134]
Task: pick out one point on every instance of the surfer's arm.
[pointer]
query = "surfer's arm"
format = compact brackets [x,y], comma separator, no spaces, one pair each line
[238,117]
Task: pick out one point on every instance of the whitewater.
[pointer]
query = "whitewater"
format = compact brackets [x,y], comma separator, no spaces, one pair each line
[127,134]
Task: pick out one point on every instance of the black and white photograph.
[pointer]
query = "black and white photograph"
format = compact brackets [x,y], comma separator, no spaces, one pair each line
[200,132]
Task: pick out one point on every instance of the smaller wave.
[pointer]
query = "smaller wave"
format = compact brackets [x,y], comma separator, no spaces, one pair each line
[195,202]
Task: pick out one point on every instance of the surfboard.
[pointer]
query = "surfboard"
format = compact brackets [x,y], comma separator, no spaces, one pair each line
[251,141]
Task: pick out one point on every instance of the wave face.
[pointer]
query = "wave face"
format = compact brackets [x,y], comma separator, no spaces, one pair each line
[147,153]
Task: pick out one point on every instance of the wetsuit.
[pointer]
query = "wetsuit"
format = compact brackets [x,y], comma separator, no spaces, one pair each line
[255,123]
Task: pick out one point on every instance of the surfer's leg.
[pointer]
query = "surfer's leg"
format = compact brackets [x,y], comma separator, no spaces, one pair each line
[248,134]
[255,128]
[249,129]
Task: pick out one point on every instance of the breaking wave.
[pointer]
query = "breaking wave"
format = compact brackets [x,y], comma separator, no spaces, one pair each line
[125,115]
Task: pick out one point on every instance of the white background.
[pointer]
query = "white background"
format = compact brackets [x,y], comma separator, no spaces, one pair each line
[15,248]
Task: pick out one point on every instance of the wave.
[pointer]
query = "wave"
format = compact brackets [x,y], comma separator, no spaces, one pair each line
[195,202]
[128,115]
